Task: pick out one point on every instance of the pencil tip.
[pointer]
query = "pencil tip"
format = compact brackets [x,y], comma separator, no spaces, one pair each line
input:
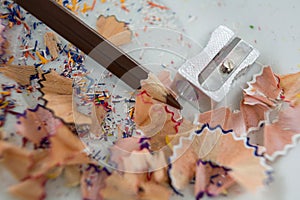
[171,101]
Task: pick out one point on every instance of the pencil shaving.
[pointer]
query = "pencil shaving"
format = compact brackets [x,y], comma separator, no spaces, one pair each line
[58,92]
[115,31]
[51,41]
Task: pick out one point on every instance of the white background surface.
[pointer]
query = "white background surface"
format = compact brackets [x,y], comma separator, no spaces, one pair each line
[276,34]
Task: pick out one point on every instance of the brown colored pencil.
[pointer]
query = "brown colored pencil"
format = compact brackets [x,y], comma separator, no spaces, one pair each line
[90,42]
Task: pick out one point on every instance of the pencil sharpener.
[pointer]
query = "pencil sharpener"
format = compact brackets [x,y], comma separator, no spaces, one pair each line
[209,75]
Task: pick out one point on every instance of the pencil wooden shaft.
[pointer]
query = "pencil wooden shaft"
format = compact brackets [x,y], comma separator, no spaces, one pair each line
[87,40]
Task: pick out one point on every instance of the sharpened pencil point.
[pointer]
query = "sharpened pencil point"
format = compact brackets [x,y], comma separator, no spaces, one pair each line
[171,101]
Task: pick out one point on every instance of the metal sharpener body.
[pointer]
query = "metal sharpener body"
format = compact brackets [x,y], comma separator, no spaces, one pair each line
[209,75]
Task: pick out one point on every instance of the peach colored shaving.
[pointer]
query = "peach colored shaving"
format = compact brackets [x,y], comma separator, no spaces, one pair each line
[211,179]
[280,133]
[158,118]
[122,149]
[67,149]
[177,121]
[158,141]
[13,157]
[58,93]
[224,117]
[261,96]
[239,159]
[142,107]
[133,186]
[183,168]
[222,149]
[252,115]
[165,78]
[72,175]
[30,189]
[257,99]
[98,115]
[143,161]
[92,182]
[291,86]
[267,84]
[37,125]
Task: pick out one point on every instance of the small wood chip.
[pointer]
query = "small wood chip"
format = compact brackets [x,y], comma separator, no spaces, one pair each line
[51,42]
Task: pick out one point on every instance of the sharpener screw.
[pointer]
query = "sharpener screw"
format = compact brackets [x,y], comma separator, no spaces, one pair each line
[227,66]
